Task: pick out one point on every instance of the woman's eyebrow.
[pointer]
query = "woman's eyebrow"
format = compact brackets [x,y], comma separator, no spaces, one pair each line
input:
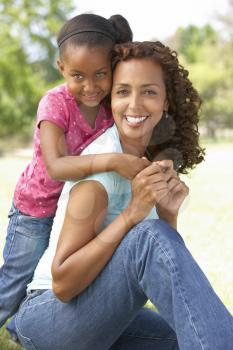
[143,85]
[121,84]
[150,84]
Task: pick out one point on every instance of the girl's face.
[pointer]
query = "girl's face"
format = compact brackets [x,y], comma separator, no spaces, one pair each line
[87,71]
[138,98]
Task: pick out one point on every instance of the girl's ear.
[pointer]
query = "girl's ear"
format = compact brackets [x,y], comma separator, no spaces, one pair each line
[60,66]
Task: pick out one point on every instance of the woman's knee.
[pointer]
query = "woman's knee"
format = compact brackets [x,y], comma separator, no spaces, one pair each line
[150,232]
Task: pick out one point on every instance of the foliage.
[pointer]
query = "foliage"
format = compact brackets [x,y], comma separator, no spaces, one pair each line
[27,56]
[208,57]
[28,52]
[188,41]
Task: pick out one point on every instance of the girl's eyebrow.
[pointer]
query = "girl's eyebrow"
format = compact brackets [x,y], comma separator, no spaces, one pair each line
[79,71]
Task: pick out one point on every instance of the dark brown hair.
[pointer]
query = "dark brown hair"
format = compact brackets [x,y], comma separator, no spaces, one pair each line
[175,137]
[94,30]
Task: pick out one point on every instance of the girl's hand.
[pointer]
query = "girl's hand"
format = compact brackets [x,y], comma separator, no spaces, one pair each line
[148,188]
[129,166]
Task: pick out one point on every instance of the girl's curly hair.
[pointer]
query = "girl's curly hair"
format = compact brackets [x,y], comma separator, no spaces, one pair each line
[176,136]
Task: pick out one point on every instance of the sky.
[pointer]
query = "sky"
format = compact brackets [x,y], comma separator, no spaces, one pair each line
[153,19]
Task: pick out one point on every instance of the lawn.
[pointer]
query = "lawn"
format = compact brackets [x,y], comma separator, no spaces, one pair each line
[206,220]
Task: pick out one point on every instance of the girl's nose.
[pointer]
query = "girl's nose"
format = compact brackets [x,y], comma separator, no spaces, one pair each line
[89,86]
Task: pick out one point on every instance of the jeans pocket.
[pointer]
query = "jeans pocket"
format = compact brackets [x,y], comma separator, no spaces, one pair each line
[13,210]
[27,343]
[34,320]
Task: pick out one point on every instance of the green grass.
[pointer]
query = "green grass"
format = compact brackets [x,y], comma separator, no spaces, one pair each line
[206,220]
[6,343]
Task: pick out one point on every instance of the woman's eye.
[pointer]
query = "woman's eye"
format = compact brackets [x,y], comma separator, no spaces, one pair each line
[122,92]
[150,92]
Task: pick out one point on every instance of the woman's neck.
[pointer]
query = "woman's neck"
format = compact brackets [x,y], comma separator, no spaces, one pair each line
[133,147]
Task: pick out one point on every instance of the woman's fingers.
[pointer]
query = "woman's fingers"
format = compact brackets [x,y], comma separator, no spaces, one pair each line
[175,185]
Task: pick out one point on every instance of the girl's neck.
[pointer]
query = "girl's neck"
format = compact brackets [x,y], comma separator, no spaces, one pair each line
[90,114]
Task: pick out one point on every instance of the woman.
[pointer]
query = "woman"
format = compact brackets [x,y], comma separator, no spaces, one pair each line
[109,260]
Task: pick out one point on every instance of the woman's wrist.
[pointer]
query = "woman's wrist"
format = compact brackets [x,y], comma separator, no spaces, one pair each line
[131,216]
[170,218]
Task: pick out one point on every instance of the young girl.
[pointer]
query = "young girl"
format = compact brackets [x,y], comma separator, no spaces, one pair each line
[69,117]
[104,260]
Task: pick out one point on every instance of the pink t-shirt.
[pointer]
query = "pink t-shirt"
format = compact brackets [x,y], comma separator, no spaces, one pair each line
[36,194]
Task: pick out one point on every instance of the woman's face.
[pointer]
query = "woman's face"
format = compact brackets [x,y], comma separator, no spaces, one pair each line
[138,98]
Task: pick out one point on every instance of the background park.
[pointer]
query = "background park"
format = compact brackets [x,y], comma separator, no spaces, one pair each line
[28,68]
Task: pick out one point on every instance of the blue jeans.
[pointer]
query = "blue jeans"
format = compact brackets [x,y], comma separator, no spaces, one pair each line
[152,262]
[27,238]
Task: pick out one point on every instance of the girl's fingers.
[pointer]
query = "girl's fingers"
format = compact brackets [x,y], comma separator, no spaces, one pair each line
[166,164]
[150,170]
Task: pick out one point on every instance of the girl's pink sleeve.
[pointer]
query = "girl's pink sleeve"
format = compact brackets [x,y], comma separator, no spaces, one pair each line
[52,107]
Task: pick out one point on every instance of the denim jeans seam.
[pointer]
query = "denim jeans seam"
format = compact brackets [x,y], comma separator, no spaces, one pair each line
[174,270]
[148,337]
[26,307]
[22,336]
[135,284]
[15,223]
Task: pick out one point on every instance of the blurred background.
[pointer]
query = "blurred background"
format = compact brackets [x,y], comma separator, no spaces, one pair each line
[202,34]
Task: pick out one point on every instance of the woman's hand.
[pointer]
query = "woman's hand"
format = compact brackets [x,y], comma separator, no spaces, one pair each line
[148,188]
[168,207]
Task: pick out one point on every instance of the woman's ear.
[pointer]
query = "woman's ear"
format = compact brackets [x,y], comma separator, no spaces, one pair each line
[166,105]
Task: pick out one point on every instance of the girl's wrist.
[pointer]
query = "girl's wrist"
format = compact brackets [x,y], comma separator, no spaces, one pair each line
[113,162]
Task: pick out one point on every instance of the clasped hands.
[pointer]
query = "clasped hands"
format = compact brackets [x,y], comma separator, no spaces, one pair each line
[158,185]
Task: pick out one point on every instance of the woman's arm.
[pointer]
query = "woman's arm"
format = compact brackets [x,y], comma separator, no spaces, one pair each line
[82,251]
[61,166]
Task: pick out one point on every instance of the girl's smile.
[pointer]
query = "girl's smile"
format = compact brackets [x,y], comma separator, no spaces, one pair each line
[88,80]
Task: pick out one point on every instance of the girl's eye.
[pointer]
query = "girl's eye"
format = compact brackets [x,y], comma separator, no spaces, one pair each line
[101,74]
[78,76]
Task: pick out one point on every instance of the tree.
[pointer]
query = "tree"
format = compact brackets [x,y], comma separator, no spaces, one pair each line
[27,55]
[208,57]
[187,41]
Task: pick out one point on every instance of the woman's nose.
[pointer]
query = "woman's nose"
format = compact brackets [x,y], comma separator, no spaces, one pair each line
[134,101]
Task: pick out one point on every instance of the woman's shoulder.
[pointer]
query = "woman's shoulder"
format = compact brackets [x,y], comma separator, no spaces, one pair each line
[108,142]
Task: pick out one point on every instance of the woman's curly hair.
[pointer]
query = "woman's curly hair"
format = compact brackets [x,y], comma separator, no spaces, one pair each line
[175,137]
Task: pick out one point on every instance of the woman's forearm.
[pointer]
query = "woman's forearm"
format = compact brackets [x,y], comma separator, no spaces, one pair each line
[80,269]
[171,219]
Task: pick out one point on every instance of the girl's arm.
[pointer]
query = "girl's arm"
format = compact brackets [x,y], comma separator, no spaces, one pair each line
[61,166]
[82,252]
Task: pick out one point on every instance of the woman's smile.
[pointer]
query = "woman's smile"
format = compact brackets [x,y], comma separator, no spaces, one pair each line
[138,100]
[135,120]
